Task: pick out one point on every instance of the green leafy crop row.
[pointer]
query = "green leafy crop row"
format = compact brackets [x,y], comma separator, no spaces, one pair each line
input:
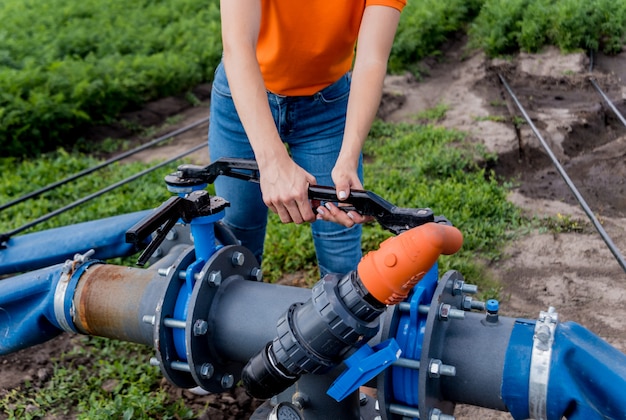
[65,64]
[425,25]
[507,26]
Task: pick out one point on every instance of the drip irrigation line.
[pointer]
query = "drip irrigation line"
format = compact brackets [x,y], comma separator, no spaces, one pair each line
[608,101]
[601,92]
[103,164]
[567,179]
[4,237]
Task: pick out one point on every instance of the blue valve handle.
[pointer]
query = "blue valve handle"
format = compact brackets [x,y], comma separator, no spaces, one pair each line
[363,365]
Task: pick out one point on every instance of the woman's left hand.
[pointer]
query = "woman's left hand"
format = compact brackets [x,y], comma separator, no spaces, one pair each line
[344,181]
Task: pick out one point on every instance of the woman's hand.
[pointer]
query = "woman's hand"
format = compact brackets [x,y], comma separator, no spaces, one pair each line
[285,188]
[345,179]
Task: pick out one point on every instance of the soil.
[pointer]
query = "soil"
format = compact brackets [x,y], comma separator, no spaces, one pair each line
[572,269]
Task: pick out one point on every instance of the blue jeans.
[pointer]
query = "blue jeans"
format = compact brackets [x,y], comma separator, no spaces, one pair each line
[312,127]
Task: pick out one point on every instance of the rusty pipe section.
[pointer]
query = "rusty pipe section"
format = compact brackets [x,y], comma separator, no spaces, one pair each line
[111,301]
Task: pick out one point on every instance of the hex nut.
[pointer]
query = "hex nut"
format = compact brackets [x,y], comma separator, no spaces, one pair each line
[206,370]
[200,327]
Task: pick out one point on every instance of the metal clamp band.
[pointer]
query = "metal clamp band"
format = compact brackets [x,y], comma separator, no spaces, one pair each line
[63,306]
[540,364]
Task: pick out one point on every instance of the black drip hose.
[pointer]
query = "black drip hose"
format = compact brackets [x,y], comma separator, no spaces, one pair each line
[566,178]
[102,165]
[4,237]
[601,92]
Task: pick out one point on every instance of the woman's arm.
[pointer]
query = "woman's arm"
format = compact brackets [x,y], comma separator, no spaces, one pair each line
[284,184]
[376,35]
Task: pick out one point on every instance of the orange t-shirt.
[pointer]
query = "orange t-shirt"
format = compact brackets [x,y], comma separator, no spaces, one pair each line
[306,45]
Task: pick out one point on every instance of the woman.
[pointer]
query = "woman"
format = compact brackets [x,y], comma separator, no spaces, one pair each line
[286,79]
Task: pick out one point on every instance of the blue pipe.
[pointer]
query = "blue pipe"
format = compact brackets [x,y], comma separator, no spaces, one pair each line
[27,309]
[203,232]
[42,249]
[587,378]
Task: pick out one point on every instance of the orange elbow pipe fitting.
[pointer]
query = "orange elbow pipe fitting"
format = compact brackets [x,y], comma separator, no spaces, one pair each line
[390,272]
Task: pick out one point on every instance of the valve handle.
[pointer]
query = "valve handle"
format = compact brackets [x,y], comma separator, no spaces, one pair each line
[394,219]
[196,204]
[391,217]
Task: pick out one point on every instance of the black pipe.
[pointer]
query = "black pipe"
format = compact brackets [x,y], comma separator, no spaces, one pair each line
[102,165]
[4,237]
[608,101]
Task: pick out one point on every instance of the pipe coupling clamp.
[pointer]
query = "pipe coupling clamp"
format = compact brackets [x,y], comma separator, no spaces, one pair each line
[540,363]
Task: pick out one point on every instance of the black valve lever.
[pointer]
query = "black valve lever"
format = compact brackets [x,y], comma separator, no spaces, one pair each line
[393,218]
[196,204]
[187,174]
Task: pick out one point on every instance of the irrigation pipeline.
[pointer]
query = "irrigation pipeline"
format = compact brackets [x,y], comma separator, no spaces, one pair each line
[103,164]
[610,104]
[4,237]
[607,100]
[566,178]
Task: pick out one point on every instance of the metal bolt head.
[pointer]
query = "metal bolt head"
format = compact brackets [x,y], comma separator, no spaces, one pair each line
[238,259]
[457,287]
[446,311]
[171,235]
[215,278]
[300,400]
[467,303]
[227,381]
[362,398]
[434,368]
[543,334]
[207,370]
[436,414]
[256,273]
[67,266]
[200,327]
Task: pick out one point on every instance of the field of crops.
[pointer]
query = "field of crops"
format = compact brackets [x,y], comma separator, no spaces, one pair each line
[65,65]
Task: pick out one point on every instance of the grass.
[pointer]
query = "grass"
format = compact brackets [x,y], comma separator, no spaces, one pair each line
[121,386]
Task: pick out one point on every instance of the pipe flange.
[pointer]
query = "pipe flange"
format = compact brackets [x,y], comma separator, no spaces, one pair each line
[163,336]
[208,370]
[541,357]
[430,396]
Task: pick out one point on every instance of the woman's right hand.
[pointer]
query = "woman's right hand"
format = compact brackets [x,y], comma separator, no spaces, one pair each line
[285,188]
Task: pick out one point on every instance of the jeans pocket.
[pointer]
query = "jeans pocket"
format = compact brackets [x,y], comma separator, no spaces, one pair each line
[220,82]
[336,92]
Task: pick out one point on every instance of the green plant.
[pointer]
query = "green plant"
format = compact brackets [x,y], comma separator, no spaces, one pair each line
[58,75]
[561,223]
[424,27]
[433,115]
[493,118]
[498,26]
[122,386]
[504,27]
